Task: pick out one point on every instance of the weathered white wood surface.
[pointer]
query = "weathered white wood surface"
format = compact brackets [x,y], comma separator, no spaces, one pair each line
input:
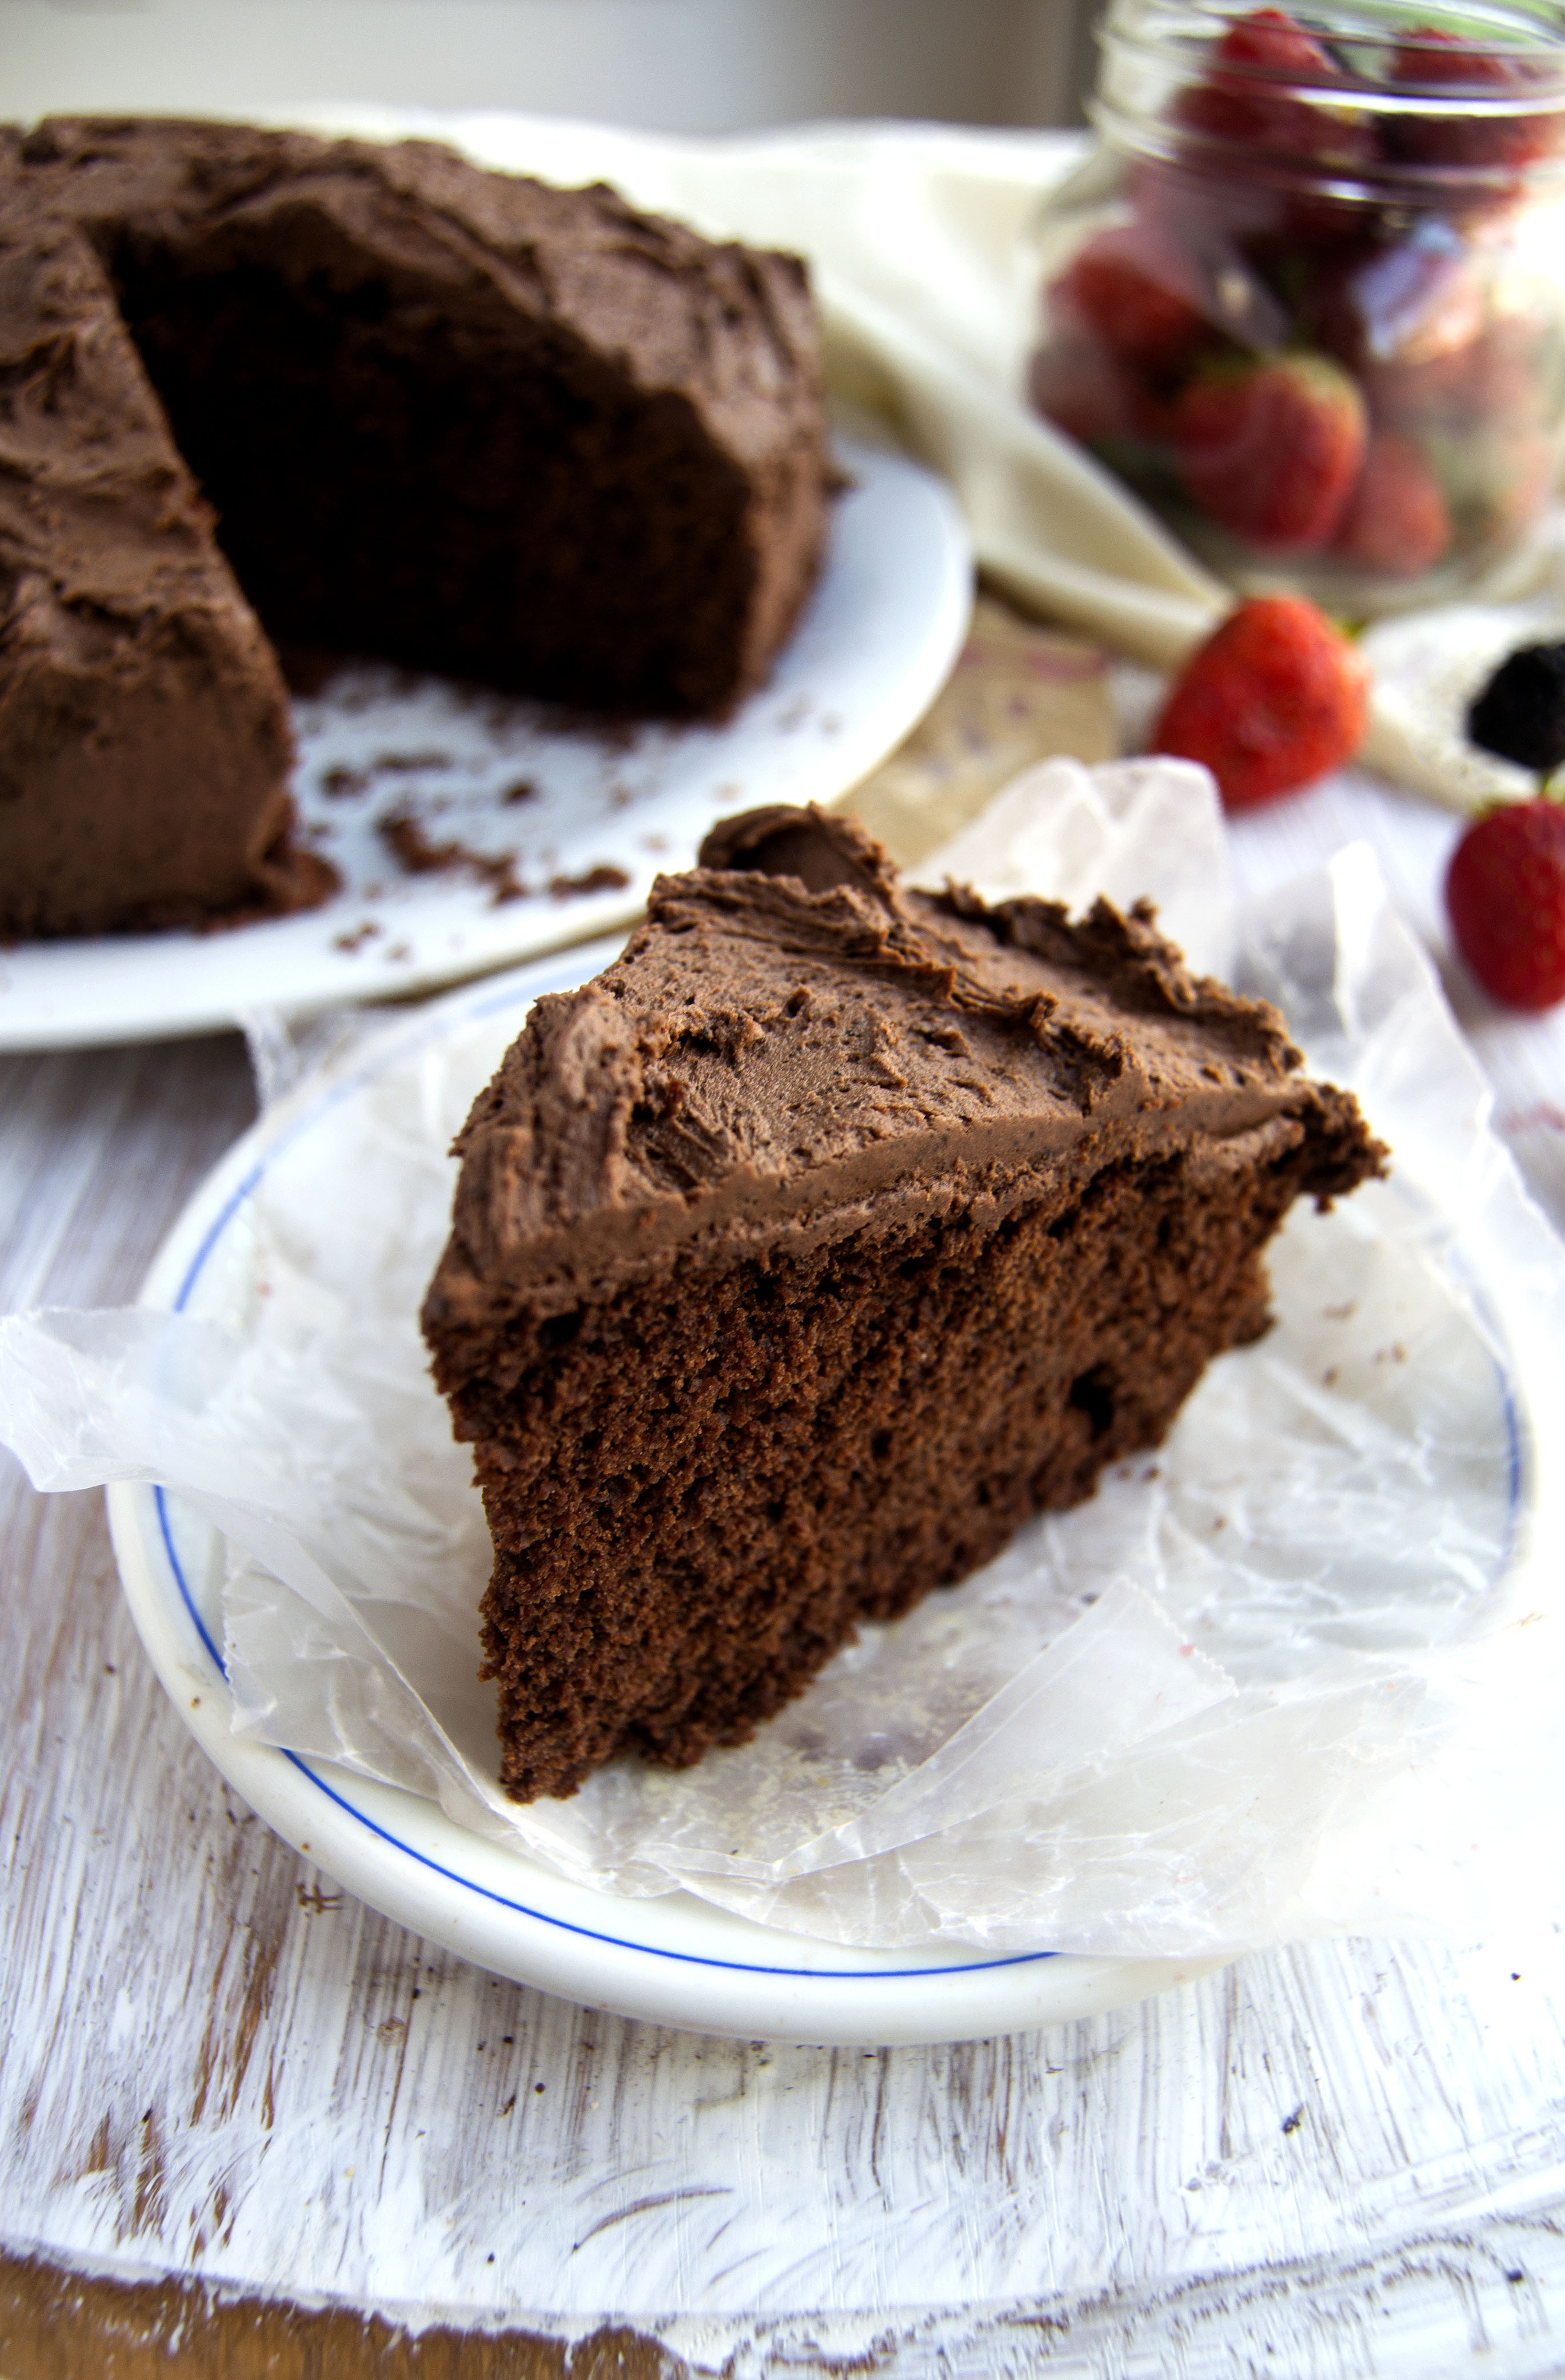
[1345,2159]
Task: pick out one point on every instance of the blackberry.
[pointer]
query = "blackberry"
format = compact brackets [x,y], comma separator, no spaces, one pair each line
[1520,714]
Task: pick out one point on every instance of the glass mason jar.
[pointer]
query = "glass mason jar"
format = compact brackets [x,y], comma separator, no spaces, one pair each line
[1307,297]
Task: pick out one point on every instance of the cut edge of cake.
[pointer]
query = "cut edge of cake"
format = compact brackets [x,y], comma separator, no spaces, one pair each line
[221,347]
[830,1233]
[130,664]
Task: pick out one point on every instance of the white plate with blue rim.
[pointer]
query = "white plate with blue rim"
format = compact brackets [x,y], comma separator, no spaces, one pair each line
[550,831]
[673,1960]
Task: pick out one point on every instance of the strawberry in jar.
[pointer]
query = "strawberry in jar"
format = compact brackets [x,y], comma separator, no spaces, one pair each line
[1304,298]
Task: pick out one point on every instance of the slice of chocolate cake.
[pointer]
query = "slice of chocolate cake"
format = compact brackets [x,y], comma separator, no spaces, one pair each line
[452,418]
[144,736]
[829,1233]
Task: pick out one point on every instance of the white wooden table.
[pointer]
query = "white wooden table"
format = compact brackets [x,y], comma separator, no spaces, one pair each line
[222,2083]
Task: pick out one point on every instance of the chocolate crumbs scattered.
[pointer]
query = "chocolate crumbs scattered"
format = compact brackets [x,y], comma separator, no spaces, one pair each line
[409,844]
[597,879]
[416,851]
[403,764]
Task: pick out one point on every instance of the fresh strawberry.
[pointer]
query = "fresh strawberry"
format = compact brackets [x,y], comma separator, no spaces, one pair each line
[1476,410]
[1526,466]
[1496,476]
[1134,291]
[1081,388]
[1401,297]
[1243,97]
[1278,44]
[1434,58]
[1275,699]
[1397,520]
[1271,448]
[1227,228]
[1505,895]
[1506,374]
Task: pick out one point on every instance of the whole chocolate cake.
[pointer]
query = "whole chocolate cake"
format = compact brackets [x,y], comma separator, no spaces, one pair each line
[829,1233]
[384,403]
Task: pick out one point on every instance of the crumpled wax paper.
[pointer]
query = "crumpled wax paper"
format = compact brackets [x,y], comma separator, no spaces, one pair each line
[1297,1673]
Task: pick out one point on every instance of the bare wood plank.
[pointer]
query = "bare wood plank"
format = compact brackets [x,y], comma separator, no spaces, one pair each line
[99,1150]
[67,2327]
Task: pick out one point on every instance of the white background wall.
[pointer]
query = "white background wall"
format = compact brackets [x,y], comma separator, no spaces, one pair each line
[694,66]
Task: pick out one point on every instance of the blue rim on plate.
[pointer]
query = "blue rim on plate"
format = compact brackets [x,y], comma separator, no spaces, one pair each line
[673,1960]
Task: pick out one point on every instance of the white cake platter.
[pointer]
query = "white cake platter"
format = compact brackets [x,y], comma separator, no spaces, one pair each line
[673,1960]
[586,819]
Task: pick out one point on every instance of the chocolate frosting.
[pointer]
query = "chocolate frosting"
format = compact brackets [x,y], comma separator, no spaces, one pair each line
[794,1047]
[726,330]
[145,745]
[126,649]
[729,326]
